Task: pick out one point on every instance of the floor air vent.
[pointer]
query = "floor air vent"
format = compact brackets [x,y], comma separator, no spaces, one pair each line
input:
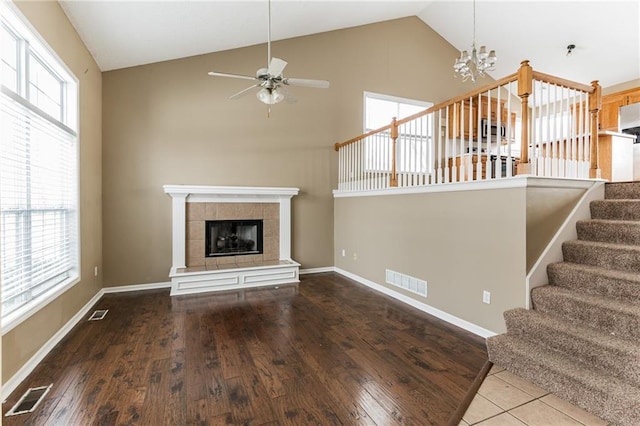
[414,285]
[98,315]
[29,401]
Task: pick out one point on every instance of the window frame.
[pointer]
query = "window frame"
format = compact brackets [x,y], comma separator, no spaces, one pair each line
[30,42]
[401,160]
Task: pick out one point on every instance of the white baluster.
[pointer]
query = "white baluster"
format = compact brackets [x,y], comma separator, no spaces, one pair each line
[556,135]
[478,140]
[369,154]
[414,152]
[352,167]
[454,168]
[548,141]
[347,166]
[509,133]
[463,159]
[498,163]
[340,168]
[488,168]
[422,149]
[376,161]
[562,137]
[360,165]
[441,142]
[580,135]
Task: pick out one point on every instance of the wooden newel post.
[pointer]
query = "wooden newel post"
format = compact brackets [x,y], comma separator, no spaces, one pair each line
[525,88]
[595,103]
[394,137]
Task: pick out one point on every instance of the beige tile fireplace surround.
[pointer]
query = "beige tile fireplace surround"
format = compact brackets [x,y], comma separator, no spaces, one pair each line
[193,206]
[199,213]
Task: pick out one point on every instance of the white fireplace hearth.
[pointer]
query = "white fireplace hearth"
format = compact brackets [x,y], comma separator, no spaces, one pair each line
[193,271]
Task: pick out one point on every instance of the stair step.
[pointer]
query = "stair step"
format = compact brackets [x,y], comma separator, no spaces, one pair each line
[622,190]
[608,397]
[607,315]
[620,357]
[609,231]
[595,280]
[606,255]
[615,209]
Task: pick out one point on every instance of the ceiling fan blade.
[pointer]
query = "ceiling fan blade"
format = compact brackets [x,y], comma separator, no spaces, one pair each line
[276,66]
[224,74]
[318,84]
[243,92]
[288,96]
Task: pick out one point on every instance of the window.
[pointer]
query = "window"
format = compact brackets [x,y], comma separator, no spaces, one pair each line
[38,173]
[414,150]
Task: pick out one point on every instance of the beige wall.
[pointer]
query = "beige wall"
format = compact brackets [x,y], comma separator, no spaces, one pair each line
[547,209]
[428,236]
[461,243]
[22,342]
[170,123]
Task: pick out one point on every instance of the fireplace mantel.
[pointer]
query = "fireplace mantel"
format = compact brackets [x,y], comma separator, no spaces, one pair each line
[186,281]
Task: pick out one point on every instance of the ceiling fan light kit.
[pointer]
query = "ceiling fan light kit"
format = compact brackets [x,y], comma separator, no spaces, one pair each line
[269,96]
[270,80]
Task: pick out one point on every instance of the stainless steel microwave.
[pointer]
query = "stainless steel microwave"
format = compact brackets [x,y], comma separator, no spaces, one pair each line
[492,129]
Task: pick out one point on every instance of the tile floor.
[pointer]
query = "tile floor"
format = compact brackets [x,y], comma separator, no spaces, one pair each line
[507,400]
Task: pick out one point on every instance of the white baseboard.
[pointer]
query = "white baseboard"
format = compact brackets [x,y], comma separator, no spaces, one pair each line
[451,319]
[11,384]
[136,287]
[317,270]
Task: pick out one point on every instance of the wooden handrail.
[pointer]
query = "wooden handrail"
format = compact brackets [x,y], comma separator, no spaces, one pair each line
[445,104]
[441,105]
[562,82]
[339,145]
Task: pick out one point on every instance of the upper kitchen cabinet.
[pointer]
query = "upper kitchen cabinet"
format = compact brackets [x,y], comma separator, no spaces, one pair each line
[611,104]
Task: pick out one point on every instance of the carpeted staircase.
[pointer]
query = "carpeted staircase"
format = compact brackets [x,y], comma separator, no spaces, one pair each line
[581,340]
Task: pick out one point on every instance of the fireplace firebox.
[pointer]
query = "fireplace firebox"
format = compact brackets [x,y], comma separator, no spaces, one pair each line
[233,237]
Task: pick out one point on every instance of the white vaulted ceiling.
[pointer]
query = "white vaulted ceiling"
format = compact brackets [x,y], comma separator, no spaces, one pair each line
[122,34]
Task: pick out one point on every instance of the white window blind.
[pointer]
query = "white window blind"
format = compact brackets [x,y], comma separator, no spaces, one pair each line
[38,174]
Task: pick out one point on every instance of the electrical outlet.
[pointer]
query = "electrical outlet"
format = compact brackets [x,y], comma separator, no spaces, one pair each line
[95,271]
[355,256]
[344,252]
[486,297]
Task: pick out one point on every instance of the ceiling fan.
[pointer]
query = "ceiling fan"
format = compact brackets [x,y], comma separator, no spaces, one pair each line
[270,80]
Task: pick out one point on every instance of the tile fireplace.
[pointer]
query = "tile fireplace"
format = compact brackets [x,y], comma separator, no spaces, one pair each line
[227,238]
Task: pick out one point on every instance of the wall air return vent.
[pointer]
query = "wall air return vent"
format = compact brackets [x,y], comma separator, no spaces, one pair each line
[406,282]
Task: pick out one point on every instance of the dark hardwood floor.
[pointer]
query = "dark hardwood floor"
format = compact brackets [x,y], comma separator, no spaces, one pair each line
[327,351]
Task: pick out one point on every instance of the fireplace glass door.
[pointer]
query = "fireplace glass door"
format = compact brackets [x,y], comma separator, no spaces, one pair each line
[233,237]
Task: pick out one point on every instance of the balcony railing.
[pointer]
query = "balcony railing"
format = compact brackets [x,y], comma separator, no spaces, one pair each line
[526,123]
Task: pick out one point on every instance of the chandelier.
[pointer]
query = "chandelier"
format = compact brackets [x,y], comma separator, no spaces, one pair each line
[470,66]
